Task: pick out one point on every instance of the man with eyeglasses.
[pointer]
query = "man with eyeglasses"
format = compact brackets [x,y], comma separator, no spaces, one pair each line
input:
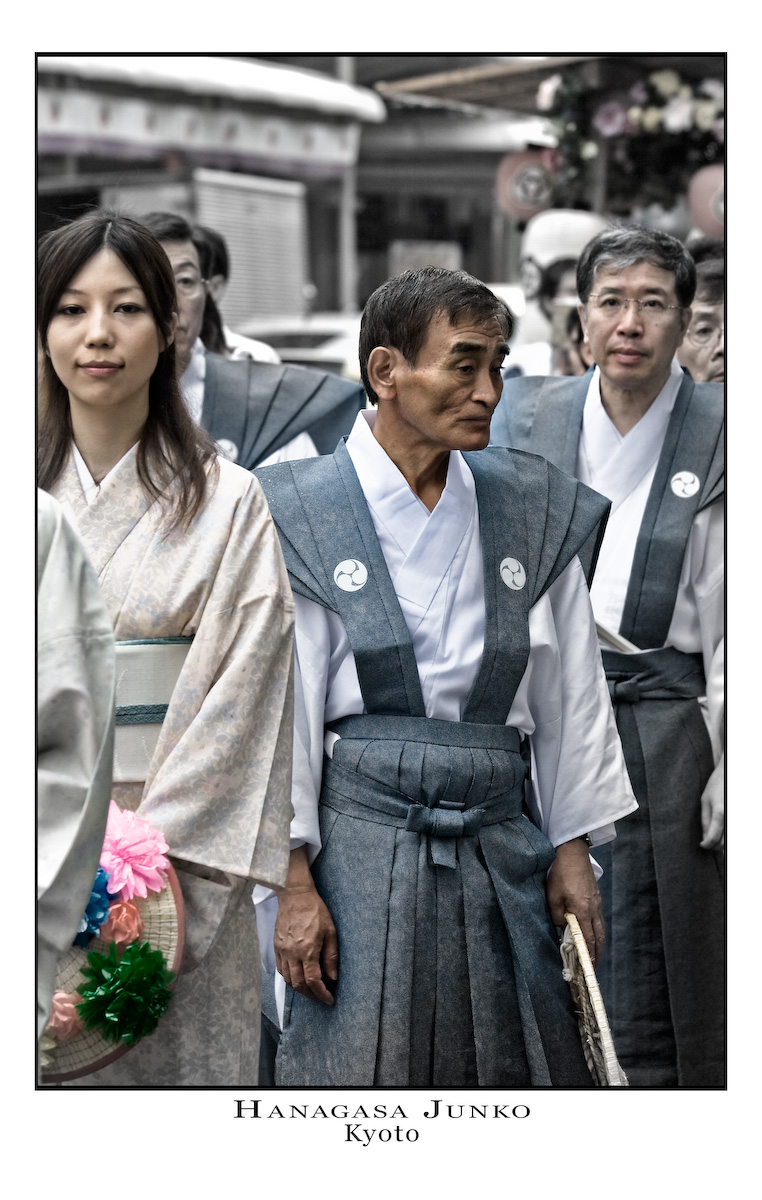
[257,412]
[703,350]
[644,433]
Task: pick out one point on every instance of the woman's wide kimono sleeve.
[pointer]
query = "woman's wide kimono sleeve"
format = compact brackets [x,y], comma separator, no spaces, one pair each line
[219,784]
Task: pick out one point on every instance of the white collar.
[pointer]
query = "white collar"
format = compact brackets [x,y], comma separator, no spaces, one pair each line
[90,488]
[614,463]
[595,415]
[192,379]
[389,495]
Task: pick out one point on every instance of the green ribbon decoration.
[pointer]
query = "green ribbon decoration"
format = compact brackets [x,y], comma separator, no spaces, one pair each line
[125,996]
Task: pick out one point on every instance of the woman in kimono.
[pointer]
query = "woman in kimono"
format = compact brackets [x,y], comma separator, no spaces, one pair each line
[190,566]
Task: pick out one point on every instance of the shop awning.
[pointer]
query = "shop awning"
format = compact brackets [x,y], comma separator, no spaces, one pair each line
[230,79]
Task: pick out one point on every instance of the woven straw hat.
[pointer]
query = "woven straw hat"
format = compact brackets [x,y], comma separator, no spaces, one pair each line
[597,1043]
[163,915]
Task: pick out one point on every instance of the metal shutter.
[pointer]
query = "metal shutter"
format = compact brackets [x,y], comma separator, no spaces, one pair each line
[264,224]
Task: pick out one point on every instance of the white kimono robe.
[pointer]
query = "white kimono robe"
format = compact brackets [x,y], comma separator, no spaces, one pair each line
[435,562]
[218,786]
[623,469]
[75,737]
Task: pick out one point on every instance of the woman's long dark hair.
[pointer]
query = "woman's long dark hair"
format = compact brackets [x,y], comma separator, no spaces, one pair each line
[172,446]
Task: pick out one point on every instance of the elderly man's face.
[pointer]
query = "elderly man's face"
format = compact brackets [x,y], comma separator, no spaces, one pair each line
[446,400]
[703,351]
[634,346]
[191,297]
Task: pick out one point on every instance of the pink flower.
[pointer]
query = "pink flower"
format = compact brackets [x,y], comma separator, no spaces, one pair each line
[611,119]
[65,1022]
[123,925]
[133,852]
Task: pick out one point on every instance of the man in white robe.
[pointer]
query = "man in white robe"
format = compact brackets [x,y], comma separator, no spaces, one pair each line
[638,430]
[368,1015]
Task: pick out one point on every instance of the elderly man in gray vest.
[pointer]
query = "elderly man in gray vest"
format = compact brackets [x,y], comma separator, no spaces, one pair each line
[444,640]
[642,432]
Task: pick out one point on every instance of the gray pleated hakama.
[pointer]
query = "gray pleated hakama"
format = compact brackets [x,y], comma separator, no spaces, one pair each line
[663,974]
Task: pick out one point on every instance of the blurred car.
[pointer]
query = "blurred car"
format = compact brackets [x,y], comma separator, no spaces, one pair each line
[326,340]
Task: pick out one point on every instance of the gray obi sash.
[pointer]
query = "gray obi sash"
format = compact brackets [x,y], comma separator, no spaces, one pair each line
[445,779]
[661,674]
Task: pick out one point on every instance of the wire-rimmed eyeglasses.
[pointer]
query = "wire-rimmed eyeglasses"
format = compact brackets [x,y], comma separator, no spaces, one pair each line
[704,333]
[650,309]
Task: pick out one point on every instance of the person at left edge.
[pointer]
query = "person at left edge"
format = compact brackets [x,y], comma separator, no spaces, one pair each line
[189,564]
[75,737]
[257,412]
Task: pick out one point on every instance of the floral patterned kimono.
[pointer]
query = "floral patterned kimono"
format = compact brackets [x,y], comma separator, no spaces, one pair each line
[218,781]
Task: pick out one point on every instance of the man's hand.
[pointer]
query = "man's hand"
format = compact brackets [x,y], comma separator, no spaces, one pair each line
[571,887]
[713,809]
[305,936]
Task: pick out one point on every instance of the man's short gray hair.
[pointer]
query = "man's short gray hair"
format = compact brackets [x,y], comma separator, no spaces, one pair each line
[617,249]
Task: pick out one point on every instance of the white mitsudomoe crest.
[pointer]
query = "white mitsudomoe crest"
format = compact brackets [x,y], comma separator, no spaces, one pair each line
[350,575]
[228,449]
[685,483]
[513,574]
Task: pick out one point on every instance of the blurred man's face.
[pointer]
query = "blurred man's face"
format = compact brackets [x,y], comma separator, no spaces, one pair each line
[703,351]
[191,297]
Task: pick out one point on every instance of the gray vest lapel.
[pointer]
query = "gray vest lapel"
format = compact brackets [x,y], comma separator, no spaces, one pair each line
[503,528]
[342,529]
[691,445]
[225,410]
[260,406]
[546,417]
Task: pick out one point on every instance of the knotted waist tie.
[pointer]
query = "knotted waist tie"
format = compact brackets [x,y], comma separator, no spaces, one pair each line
[661,674]
[472,776]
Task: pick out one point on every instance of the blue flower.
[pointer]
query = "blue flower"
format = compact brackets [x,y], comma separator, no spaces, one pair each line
[96,913]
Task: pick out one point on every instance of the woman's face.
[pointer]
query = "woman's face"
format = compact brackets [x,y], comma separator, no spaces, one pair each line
[103,341]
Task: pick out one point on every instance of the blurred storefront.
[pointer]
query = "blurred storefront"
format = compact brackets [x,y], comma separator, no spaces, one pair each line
[474,147]
[329,173]
[629,132]
[260,152]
